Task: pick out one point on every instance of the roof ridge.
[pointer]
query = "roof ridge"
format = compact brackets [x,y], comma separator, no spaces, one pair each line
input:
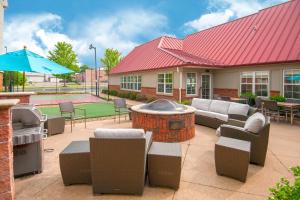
[174,55]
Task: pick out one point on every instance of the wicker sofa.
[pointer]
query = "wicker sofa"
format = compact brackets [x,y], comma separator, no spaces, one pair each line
[213,113]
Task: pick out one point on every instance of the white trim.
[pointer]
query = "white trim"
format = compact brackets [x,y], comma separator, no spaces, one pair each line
[164,92]
[254,83]
[196,84]
[210,84]
[127,89]
[283,76]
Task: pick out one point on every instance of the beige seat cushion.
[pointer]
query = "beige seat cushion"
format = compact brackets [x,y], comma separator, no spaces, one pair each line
[201,104]
[255,123]
[212,115]
[119,133]
[238,109]
[219,106]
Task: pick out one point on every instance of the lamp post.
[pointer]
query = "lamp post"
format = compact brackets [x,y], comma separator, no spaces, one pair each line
[96,71]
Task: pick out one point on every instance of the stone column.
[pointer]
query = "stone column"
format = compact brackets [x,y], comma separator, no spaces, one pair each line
[6,150]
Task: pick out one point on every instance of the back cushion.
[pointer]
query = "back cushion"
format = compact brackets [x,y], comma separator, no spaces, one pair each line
[119,133]
[219,106]
[255,122]
[201,104]
[238,109]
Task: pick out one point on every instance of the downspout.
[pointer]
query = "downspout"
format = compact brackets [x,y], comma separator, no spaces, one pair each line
[180,83]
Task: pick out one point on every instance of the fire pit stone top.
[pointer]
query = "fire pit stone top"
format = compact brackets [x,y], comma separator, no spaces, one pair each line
[163,106]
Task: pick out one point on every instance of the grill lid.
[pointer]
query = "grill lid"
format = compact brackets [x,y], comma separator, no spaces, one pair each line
[164,105]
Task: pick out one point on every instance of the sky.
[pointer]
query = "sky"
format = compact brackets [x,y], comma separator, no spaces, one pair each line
[119,24]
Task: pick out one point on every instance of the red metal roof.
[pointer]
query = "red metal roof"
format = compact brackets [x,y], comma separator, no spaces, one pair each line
[270,36]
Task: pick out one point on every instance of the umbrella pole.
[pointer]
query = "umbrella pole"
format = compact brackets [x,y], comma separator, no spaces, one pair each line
[23,81]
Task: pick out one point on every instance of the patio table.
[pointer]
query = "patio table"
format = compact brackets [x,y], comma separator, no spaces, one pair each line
[291,106]
[238,100]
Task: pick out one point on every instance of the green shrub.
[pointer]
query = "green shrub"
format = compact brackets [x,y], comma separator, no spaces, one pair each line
[132,95]
[141,97]
[104,91]
[113,92]
[284,190]
[185,102]
[278,98]
[250,96]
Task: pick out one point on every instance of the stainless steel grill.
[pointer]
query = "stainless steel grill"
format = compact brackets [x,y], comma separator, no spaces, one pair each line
[28,134]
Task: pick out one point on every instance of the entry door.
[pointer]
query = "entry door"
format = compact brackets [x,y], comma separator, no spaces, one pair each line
[206,86]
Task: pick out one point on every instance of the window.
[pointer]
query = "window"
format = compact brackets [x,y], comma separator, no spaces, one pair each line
[255,82]
[291,84]
[133,82]
[191,83]
[165,83]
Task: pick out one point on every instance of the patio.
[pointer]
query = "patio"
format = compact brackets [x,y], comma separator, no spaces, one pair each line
[198,180]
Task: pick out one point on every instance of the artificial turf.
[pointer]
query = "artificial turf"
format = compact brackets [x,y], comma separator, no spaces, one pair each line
[92,110]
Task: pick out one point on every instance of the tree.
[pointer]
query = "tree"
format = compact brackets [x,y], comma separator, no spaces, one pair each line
[16,79]
[110,59]
[84,67]
[64,55]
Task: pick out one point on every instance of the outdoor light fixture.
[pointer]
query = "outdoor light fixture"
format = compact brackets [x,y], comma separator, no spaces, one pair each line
[96,71]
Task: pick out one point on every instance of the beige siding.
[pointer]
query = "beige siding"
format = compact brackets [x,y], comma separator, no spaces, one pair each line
[230,78]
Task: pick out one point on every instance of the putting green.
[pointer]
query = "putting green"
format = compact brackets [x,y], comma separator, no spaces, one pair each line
[92,110]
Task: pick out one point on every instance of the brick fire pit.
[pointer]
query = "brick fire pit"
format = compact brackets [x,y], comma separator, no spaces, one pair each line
[169,121]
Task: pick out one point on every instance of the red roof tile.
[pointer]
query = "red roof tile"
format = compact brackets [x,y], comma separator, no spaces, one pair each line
[270,36]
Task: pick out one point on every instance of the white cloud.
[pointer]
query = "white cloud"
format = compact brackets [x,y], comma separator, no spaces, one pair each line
[221,11]
[40,32]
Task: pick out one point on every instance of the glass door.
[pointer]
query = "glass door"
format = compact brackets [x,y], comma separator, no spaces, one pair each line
[205,86]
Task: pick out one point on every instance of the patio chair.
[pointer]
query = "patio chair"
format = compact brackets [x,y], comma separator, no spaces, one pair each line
[120,108]
[255,130]
[271,109]
[288,110]
[225,98]
[258,104]
[68,111]
[118,160]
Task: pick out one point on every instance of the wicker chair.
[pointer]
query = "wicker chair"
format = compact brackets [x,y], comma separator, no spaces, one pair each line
[120,108]
[225,98]
[259,141]
[68,111]
[118,161]
[271,109]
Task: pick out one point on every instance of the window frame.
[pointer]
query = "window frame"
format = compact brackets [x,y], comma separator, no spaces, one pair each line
[128,84]
[164,83]
[283,81]
[196,84]
[253,73]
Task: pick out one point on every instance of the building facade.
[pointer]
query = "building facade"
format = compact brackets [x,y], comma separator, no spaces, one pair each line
[259,54]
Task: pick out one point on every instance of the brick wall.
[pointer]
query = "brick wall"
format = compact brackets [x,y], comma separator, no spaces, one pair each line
[274,93]
[226,92]
[6,155]
[25,98]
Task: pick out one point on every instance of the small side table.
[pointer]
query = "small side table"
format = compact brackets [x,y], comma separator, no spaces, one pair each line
[75,164]
[55,125]
[164,164]
[232,158]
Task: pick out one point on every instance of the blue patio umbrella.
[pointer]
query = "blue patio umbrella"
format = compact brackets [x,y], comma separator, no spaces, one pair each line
[294,78]
[27,61]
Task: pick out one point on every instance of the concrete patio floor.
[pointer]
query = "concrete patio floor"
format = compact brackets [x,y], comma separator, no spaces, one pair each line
[198,180]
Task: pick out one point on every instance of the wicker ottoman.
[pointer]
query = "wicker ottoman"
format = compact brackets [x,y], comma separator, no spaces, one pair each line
[74,163]
[164,164]
[232,158]
[55,125]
